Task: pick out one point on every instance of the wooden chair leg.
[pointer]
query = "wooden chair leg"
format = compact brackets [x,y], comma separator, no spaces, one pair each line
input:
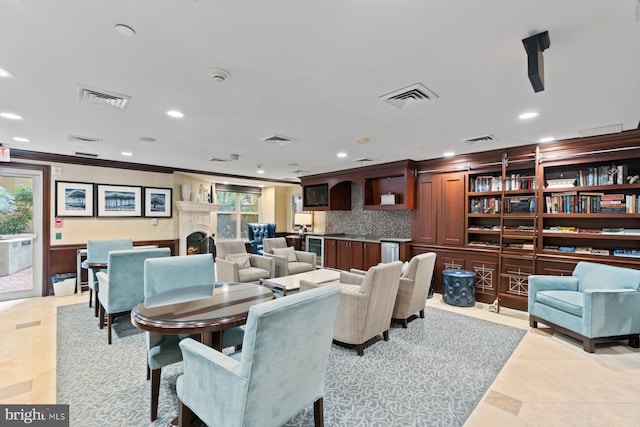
[385,334]
[404,323]
[360,349]
[185,415]
[90,296]
[318,413]
[634,341]
[155,392]
[422,314]
[95,303]
[148,371]
[100,316]
[109,324]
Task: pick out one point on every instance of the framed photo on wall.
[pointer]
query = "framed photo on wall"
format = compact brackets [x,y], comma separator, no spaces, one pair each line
[74,199]
[157,202]
[119,200]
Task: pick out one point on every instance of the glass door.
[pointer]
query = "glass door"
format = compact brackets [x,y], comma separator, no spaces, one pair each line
[20,233]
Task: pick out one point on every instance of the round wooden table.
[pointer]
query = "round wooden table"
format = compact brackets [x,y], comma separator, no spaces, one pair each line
[206,310]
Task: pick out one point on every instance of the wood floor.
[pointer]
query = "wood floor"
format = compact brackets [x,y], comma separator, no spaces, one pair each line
[548,381]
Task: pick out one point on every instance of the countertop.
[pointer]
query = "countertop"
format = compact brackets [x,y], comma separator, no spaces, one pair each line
[361,237]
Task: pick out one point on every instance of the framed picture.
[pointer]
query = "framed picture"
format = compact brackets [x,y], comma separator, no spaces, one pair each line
[74,199]
[157,202]
[119,200]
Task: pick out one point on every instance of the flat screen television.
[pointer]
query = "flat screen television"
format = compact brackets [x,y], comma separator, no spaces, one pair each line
[315,195]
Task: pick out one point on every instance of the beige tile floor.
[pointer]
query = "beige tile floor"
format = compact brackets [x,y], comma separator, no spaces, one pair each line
[548,381]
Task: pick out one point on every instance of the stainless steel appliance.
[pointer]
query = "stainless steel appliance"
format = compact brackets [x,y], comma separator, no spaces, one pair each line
[315,244]
[390,251]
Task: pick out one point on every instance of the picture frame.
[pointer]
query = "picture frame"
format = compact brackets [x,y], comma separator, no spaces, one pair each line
[118,201]
[75,199]
[158,202]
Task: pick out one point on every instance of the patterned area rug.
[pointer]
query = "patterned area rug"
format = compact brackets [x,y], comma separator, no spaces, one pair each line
[433,373]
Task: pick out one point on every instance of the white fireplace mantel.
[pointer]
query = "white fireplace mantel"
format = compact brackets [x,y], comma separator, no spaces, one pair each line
[195,216]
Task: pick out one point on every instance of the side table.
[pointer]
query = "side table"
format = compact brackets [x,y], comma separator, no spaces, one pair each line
[459,287]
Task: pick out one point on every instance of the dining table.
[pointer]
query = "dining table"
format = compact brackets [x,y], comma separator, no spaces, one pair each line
[206,310]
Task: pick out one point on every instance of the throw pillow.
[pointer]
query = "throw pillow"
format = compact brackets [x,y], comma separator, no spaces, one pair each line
[241,259]
[288,253]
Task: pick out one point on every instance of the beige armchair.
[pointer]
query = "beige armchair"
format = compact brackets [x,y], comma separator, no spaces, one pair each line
[284,261]
[414,288]
[366,304]
[234,264]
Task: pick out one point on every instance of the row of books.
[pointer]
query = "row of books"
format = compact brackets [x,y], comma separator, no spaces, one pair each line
[602,175]
[607,230]
[520,205]
[519,182]
[507,228]
[485,205]
[593,251]
[486,183]
[584,202]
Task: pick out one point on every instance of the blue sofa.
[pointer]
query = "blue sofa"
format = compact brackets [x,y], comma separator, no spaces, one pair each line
[597,303]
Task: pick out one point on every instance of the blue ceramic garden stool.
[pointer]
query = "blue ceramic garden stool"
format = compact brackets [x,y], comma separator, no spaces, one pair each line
[459,287]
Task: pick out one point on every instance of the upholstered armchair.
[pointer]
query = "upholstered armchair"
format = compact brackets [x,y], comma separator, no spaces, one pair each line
[234,264]
[122,285]
[98,252]
[366,304]
[287,259]
[257,387]
[259,232]
[597,303]
[162,275]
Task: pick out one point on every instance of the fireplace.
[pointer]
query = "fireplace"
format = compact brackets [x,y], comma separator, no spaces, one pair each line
[196,227]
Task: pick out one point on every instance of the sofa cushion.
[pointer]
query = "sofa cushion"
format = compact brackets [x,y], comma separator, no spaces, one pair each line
[243,260]
[289,253]
[299,267]
[601,276]
[253,274]
[567,301]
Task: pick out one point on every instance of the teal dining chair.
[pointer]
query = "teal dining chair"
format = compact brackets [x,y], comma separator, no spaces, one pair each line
[98,252]
[162,275]
[279,372]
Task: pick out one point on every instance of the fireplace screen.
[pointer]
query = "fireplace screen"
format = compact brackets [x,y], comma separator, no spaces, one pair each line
[199,243]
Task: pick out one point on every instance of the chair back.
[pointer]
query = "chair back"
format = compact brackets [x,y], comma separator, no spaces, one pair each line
[285,354]
[420,270]
[593,275]
[166,274]
[257,233]
[274,242]
[226,247]
[126,278]
[98,250]
[381,284]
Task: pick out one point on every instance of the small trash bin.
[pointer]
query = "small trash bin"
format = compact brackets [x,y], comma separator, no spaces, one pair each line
[64,284]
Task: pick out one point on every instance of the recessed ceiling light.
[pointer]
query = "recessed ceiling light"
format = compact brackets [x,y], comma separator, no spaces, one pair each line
[5,73]
[11,116]
[547,139]
[362,140]
[342,154]
[125,30]
[127,153]
[449,154]
[20,139]
[528,115]
[175,113]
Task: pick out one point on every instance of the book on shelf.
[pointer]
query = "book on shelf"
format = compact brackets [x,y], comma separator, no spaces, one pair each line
[583,250]
[627,252]
[613,230]
[561,229]
[568,249]
[600,252]
[550,248]
[632,231]
[590,231]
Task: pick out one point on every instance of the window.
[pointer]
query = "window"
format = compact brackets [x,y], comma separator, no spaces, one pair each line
[238,207]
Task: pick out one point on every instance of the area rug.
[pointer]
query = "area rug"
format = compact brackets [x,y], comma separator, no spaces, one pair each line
[433,373]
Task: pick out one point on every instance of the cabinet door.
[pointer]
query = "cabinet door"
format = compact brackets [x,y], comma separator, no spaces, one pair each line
[343,255]
[423,219]
[370,255]
[451,224]
[356,249]
[330,253]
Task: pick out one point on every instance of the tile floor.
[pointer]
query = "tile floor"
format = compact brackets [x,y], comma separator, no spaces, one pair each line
[548,381]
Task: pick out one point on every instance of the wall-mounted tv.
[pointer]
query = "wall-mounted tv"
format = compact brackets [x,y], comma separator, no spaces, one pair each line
[316,195]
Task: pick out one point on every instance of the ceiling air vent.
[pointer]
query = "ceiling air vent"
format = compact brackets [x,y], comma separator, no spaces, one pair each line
[84,139]
[299,171]
[101,97]
[219,160]
[81,154]
[477,139]
[278,139]
[410,94]
[362,160]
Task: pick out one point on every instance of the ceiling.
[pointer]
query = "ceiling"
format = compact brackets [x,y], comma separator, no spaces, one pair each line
[312,71]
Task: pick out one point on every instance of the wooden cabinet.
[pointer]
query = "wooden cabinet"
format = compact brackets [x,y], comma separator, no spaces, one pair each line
[327,196]
[439,218]
[396,184]
[349,254]
[370,255]
[330,253]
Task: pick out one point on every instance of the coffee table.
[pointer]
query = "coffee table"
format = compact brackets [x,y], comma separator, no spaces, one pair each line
[291,283]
